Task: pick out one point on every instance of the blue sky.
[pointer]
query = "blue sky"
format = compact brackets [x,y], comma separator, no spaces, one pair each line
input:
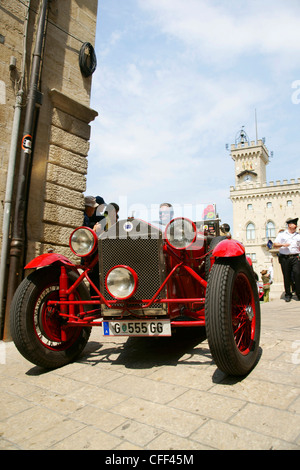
[175,81]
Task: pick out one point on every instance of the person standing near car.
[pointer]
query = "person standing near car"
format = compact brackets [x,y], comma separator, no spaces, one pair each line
[98,214]
[111,217]
[166,213]
[90,205]
[265,276]
[288,243]
[111,214]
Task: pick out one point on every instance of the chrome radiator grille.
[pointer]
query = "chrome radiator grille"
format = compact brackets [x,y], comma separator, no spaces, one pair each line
[141,250]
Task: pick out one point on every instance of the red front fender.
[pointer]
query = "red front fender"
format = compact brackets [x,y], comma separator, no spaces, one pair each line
[228,248]
[47,259]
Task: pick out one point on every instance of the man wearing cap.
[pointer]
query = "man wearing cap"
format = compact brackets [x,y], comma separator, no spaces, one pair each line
[288,243]
[90,206]
[98,214]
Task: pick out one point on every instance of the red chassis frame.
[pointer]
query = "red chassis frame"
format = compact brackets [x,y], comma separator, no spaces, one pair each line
[179,260]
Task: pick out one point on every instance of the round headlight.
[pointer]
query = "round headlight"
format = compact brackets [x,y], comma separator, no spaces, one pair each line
[181,233]
[121,282]
[83,241]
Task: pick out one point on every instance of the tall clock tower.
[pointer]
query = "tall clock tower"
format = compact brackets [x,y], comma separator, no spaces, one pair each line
[250,160]
[260,208]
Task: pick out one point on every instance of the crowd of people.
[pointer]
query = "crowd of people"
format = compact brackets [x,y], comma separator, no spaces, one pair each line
[100,216]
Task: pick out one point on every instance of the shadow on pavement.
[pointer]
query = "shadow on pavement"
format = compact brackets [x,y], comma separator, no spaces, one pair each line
[143,353]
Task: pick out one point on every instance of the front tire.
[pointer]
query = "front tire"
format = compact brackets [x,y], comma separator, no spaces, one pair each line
[232,316]
[214,242]
[39,332]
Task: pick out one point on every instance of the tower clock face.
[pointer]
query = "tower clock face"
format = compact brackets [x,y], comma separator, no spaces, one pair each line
[247,178]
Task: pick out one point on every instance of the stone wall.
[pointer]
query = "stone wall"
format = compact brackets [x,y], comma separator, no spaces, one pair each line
[61,135]
[259,204]
[61,142]
[66,171]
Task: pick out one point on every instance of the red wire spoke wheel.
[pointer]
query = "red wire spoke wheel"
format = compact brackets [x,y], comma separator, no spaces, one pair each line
[38,331]
[232,316]
[50,328]
[243,314]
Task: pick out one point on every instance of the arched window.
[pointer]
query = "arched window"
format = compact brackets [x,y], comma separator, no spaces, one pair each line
[250,231]
[270,230]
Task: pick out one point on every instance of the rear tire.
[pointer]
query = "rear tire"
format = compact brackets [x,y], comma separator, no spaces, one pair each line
[38,332]
[232,316]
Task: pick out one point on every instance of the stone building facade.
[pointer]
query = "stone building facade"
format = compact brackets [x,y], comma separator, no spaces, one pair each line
[260,208]
[57,180]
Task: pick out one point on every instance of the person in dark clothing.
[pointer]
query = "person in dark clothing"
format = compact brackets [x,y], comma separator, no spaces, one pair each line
[111,214]
[99,212]
[89,210]
[288,242]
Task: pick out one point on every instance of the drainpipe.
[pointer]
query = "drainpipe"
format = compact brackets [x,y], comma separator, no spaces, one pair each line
[18,238]
[10,177]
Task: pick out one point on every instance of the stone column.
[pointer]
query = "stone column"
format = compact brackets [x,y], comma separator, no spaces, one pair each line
[65,179]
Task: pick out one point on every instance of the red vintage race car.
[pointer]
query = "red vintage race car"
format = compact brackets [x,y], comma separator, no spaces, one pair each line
[140,280]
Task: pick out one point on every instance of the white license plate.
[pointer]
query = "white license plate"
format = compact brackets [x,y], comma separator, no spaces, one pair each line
[137,328]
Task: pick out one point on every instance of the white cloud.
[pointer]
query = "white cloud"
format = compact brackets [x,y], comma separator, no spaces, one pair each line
[172,92]
[226,31]
[107,48]
[161,143]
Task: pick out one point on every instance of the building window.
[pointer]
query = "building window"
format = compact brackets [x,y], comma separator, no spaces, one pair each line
[249,207]
[252,256]
[269,205]
[289,203]
[270,230]
[250,232]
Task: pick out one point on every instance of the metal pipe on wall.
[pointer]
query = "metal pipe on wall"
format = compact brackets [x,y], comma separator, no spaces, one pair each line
[17,243]
[11,175]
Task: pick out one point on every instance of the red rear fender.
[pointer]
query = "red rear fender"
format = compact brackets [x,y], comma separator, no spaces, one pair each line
[228,248]
[47,259]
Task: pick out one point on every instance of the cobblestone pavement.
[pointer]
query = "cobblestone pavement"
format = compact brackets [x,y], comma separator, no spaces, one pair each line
[156,394]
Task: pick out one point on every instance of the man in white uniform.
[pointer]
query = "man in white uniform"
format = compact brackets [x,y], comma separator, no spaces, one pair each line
[288,243]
